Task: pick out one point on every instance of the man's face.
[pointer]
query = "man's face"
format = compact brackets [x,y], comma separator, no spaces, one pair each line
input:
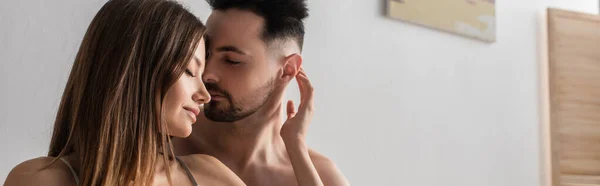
[240,75]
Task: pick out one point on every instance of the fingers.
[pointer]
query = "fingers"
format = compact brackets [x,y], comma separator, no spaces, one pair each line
[306,88]
[291,112]
[306,92]
[299,120]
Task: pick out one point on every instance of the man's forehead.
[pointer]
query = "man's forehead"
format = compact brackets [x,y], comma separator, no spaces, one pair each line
[235,30]
[234,22]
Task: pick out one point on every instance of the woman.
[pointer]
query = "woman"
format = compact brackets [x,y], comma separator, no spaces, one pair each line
[135,82]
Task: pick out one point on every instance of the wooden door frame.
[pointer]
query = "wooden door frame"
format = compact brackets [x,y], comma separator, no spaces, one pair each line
[551,174]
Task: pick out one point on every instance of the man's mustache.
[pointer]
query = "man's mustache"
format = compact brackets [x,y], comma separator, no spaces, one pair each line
[214,88]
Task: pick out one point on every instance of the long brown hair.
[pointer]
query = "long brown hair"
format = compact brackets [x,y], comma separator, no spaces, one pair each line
[111,114]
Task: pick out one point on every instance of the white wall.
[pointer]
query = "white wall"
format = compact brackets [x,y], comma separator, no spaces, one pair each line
[38,42]
[397,104]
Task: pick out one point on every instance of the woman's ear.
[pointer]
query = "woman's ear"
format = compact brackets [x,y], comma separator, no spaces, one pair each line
[291,66]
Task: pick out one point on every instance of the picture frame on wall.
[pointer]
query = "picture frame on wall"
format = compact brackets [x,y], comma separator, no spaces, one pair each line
[469,18]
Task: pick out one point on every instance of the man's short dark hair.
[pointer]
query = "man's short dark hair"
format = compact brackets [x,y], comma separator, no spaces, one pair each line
[283,18]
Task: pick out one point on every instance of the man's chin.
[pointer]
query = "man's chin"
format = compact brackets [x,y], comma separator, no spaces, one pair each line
[217,115]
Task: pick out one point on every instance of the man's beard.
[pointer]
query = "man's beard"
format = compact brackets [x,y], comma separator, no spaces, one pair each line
[229,110]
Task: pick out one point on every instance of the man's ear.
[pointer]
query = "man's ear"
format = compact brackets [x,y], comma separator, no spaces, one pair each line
[291,67]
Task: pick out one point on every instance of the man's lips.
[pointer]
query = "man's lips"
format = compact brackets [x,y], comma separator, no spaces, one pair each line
[214,95]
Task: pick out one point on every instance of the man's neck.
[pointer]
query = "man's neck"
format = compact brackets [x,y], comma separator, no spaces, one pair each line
[252,141]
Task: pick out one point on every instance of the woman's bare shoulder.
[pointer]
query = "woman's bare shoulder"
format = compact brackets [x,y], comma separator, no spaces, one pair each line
[37,172]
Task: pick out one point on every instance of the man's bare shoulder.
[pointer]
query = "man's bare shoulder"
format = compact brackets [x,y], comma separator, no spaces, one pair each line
[328,171]
[208,170]
[35,172]
[201,161]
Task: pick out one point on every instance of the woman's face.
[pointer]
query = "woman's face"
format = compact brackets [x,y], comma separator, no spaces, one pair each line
[184,98]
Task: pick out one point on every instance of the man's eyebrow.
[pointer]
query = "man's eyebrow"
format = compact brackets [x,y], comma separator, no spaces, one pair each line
[231,49]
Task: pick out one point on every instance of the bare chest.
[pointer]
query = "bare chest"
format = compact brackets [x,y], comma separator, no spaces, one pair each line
[269,176]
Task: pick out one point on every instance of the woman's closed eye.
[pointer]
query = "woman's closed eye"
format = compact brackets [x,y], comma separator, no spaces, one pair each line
[189,72]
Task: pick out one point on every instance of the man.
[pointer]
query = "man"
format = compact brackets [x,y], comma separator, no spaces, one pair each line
[254,51]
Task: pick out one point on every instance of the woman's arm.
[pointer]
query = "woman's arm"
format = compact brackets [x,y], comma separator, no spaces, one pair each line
[293,133]
[306,173]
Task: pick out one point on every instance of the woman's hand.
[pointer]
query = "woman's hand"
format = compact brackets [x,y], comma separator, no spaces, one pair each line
[294,131]
[296,125]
